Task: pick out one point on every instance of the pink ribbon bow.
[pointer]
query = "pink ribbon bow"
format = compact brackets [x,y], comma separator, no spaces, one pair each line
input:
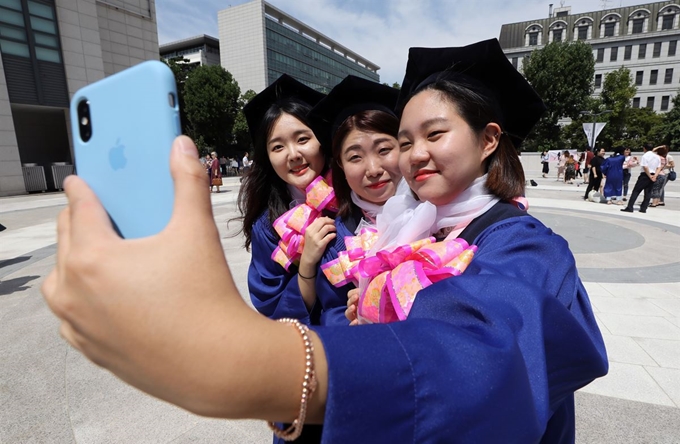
[292,224]
[396,276]
[345,269]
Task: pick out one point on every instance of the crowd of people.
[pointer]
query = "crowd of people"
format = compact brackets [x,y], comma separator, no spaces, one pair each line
[403,292]
[608,178]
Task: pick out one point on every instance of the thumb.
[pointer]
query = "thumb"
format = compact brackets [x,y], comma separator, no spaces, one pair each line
[192,197]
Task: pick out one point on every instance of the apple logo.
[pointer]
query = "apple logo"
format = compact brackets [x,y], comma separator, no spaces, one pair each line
[117,156]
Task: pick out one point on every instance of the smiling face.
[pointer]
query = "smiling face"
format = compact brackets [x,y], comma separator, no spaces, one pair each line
[440,154]
[370,162]
[294,152]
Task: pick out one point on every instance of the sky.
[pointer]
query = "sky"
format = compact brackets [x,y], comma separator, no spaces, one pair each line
[378,30]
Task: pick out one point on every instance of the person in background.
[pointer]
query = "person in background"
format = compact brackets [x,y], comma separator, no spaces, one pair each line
[670,166]
[561,165]
[215,172]
[629,163]
[612,169]
[586,171]
[223,164]
[246,163]
[490,356]
[569,168]
[545,162]
[657,188]
[651,165]
[595,179]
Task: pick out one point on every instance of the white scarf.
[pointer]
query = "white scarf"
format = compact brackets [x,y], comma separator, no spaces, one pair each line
[371,210]
[298,196]
[404,219]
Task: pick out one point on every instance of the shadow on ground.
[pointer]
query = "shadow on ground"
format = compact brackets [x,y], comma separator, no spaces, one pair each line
[13,285]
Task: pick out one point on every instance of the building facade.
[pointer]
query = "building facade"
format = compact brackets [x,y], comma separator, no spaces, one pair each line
[642,38]
[48,50]
[259,42]
[199,50]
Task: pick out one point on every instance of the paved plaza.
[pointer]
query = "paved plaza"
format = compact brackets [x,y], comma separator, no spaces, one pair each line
[630,264]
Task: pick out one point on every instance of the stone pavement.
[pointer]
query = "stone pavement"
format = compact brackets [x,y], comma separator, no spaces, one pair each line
[630,264]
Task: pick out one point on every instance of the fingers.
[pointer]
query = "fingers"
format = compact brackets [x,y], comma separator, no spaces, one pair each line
[88,220]
[63,237]
[191,193]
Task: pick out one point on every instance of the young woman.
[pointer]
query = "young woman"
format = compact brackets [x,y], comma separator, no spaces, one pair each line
[657,189]
[357,122]
[612,169]
[629,163]
[569,168]
[494,353]
[286,160]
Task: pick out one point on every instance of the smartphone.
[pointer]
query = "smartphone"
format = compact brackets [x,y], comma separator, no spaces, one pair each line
[123,127]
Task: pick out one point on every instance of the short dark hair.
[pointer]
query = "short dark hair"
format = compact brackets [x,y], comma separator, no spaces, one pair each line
[648,146]
[478,108]
[372,121]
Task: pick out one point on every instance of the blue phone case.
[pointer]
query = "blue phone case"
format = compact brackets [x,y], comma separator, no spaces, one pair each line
[127,159]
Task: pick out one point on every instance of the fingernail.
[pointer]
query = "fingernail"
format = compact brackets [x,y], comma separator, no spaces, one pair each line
[186,147]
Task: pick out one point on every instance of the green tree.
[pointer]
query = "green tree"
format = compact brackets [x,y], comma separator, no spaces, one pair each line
[669,133]
[241,133]
[181,68]
[211,98]
[562,74]
[640,124]
[618,90]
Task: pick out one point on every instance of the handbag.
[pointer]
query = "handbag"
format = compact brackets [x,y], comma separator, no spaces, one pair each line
[672,175]
[216,182]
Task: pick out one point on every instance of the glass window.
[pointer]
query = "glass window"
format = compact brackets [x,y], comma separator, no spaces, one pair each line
[637,25]
[627,53]
[582,32]
[533,38]
[614,54]
[638,77]
[650,102]
[600,55]
[668,78]
[642,51]
[38,24]
[657,50]
[609,29]
[667,21]
[11,4]
[557,35]
[46,40]
[672,46]
[636,102]
[598,80]
[13,18]
[40,10]
[653,76]
[12,33]
[49,55]
[14,48]
[664,102]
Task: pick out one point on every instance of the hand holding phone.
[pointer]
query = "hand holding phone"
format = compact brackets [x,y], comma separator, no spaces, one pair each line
[123,127]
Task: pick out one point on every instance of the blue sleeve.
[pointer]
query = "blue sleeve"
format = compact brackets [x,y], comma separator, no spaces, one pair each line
[274,292]
[333,300]
[495,353]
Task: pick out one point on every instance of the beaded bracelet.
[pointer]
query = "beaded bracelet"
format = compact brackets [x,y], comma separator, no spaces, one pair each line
[308,386]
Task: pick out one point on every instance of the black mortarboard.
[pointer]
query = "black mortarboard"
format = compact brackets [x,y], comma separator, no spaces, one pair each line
[347,98]
[482,64]
[284,88]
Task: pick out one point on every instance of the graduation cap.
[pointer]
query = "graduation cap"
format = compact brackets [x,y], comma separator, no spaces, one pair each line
[283,89]
[347,98]
[485,67]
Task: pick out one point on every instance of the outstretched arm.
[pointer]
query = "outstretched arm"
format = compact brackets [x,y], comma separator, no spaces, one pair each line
[174,338]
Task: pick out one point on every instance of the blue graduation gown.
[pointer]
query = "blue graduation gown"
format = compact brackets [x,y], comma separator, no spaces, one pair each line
[493,355]
[275,292]
[613,169]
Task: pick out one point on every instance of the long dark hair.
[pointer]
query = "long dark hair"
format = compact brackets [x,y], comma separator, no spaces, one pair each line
[372,121]
[262,189]
[478,108]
